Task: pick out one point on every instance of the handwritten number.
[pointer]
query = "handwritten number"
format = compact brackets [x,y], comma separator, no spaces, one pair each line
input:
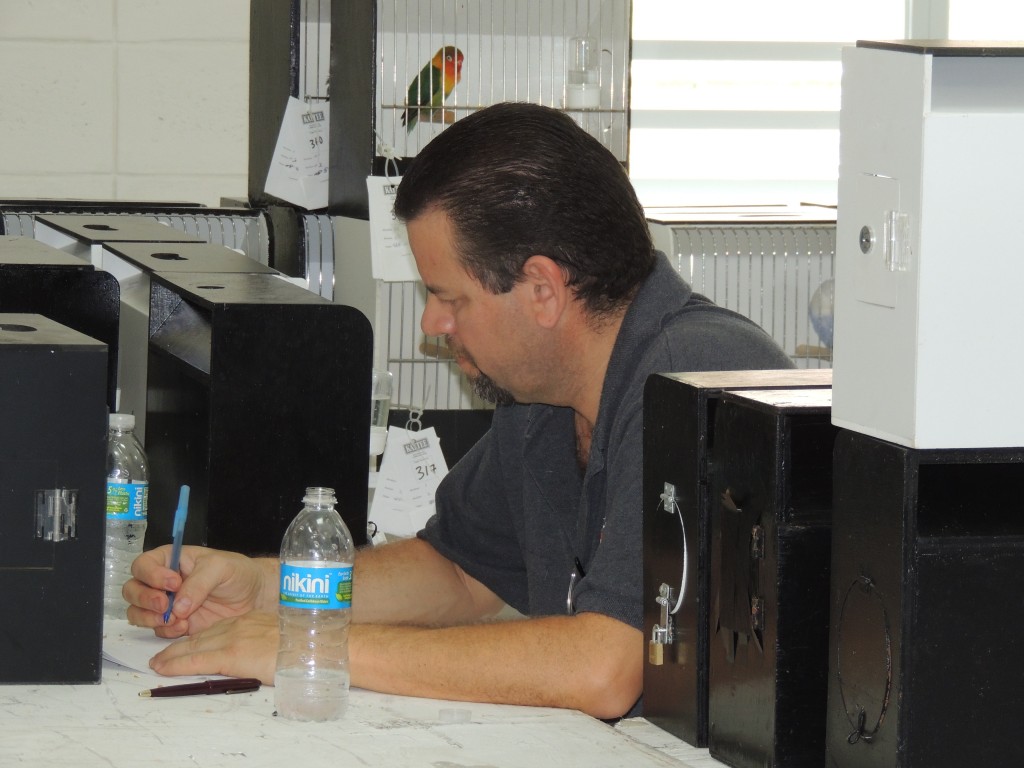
[423,471]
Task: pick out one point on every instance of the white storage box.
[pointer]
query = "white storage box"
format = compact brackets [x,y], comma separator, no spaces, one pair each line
[929,305]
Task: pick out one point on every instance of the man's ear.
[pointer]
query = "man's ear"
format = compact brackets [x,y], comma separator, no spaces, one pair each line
[548,294]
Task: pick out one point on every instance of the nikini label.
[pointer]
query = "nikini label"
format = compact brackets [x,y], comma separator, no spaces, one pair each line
[325,586]
[127,501]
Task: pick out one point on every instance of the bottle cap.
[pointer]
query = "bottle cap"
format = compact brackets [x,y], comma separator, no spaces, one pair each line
[319,494]
[122,421]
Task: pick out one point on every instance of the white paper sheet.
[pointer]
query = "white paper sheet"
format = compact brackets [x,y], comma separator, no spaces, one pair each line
[133,647]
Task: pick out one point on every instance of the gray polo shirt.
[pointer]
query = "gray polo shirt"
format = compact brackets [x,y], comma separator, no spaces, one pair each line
[517,511]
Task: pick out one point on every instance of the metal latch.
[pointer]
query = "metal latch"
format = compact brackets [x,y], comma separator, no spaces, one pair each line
[757,613]
[662,633]
[756,602]
[757,542]
[56,514]
[896,251]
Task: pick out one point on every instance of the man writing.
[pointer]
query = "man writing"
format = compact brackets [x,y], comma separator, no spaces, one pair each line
[540,273]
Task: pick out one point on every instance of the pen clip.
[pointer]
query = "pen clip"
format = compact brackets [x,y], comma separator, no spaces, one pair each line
[245,685]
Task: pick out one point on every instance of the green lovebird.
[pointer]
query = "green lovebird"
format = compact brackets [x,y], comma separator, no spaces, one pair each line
[431,86]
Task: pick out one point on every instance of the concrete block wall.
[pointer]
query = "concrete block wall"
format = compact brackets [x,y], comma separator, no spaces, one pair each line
[124,99]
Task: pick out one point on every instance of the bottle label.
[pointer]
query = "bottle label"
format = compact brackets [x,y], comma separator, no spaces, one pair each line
[316,585]
[127,501]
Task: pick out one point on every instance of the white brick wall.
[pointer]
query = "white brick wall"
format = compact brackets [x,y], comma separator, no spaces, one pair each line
[124,99]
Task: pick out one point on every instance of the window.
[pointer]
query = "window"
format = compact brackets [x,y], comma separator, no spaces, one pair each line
[985,20]
[736,102]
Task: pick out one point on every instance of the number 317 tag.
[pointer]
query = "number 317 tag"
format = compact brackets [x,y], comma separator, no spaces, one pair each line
[410,471]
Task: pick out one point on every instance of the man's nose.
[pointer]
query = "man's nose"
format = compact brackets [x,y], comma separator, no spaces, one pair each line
[436,319]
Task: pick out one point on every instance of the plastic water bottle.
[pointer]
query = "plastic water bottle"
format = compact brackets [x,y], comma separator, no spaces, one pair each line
[127,509]
[312,678]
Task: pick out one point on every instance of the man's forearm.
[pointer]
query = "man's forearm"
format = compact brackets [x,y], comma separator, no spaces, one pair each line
[408,582]
[588,662]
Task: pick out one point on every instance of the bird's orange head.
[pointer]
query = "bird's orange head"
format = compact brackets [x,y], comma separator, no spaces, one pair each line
[448,59]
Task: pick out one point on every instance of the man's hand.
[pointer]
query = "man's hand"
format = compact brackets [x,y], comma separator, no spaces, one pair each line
[240,646]
[211,586]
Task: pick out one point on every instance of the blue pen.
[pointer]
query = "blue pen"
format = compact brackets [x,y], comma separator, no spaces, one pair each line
[180,515]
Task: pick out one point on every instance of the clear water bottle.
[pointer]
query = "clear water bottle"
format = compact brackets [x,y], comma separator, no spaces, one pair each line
[312,679]
[127,509]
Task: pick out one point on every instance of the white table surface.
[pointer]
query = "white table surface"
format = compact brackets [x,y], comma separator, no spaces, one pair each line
[109,725]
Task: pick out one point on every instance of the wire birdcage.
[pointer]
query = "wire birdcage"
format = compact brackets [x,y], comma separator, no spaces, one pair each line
[773,265]
[511,50]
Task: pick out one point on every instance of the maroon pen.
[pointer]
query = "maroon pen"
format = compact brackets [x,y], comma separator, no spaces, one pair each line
[227,685]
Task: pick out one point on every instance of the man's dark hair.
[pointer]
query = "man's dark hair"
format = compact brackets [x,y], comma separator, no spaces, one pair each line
[521,179]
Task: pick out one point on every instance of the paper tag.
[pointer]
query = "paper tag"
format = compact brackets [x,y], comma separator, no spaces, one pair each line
[390,254]
[299,168]
[410,471]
